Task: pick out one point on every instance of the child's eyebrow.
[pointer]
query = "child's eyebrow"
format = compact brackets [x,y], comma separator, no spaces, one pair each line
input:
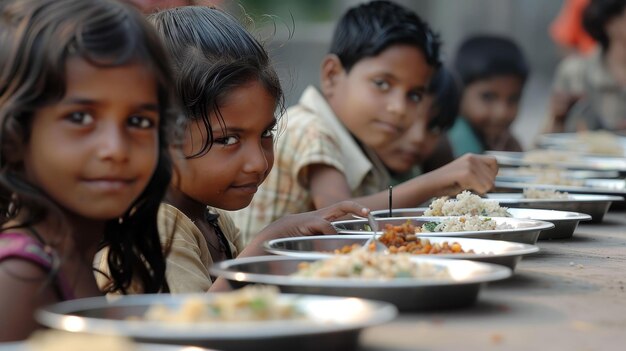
[91,102]
[240,130]
[393,77]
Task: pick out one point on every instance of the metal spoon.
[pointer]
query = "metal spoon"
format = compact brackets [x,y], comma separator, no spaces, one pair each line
[379,247]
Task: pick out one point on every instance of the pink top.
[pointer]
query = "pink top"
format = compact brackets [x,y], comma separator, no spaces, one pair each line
[25,247]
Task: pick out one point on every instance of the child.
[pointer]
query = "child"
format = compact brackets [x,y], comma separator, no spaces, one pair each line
[84,104]
[412,153]
[381,60]
[589,93]
[493,71]
[230,93]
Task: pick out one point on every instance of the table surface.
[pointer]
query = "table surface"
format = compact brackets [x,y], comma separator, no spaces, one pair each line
[569,296]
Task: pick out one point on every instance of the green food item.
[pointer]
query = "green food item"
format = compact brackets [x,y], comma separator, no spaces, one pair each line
[430,226]
[368,228]
[403,274]
[357,269]
[258,304]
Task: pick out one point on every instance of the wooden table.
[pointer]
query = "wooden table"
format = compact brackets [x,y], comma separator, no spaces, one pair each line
[569,296]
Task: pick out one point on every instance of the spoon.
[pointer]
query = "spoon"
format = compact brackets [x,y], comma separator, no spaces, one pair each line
[379,247]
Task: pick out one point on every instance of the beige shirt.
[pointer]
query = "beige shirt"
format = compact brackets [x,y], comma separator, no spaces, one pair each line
[188,262]
[603,105]
[313,135]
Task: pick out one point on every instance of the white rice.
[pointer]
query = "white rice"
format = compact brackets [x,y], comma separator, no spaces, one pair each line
[532,193]
[466,203]
[467,223]
[364,264]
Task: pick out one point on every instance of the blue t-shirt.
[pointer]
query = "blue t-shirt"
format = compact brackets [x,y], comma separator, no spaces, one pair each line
[463,139]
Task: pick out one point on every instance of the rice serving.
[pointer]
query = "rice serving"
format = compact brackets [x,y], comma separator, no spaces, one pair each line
[364,264]
[466,203]
[463,224]
[532,193]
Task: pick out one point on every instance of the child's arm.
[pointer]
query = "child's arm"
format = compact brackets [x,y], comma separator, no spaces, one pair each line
[21,295]
[473,172]
[307,223]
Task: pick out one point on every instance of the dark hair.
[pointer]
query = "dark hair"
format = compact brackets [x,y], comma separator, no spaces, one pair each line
[597,14]
[445,87]
[212,54]
[485,56]
[368,29]
[37,37]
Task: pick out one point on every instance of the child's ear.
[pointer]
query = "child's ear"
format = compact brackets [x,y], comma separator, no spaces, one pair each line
[331,72]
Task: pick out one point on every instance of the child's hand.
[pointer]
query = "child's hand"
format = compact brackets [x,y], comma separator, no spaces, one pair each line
[468,172]
[314,222]
[560,105]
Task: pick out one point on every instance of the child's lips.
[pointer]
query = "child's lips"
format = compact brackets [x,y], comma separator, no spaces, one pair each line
[387,127]
[108,184]
[250,188]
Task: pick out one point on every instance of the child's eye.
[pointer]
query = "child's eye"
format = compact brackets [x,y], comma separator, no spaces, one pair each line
[141,122]
[230,140]
[381,84]
[269,133]
[82,118]
[488,97]
[415,97]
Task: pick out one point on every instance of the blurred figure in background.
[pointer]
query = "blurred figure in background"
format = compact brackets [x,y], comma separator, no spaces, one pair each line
[493,72]
[589,93]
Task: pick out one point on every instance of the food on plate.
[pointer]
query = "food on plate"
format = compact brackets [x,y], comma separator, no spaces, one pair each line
[532,193]
[251,303]
[56,340]
[466,203]
[599,142]
[402,239]
[364,264]
[550,156]
[463,224]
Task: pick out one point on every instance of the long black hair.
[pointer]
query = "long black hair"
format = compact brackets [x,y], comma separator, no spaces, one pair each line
[212,55]
[37,37]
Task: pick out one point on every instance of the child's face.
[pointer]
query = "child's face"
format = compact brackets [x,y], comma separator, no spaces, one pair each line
[414,146]
[380,97]
[242,155]
[95,151]
[491,105]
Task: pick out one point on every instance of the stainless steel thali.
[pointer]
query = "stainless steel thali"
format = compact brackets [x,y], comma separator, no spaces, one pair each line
[613,144]
[510,158]
[589,186]
[565,222]
[525,231]
[317,247]
[460,290]
[24,346]
[329,323]
[594,205]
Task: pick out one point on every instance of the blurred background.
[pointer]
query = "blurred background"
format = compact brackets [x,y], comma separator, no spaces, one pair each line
[297,34]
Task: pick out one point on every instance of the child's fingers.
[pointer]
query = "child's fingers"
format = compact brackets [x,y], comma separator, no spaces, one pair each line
[343,208]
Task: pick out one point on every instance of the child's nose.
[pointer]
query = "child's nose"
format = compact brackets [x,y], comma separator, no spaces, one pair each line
[256,159]
[112,143]
[397,104]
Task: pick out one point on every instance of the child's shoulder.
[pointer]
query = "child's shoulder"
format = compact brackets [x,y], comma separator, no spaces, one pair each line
[16,245]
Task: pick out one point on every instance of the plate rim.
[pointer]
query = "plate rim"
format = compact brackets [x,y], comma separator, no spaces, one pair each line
[382,312]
